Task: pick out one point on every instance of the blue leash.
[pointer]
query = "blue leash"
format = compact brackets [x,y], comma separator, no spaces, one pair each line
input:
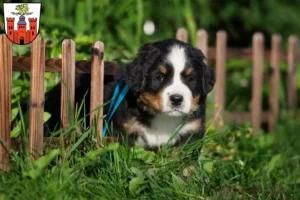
[115,102]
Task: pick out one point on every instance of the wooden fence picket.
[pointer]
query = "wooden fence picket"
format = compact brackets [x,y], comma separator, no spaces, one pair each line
[68,82]
[182,35]
[97,86]
[274,81]
[5,100]
[292,75]
[202,43]
[220,86]
[257,81]
[37,96]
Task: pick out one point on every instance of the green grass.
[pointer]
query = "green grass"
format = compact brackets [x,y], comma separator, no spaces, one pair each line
[232,165]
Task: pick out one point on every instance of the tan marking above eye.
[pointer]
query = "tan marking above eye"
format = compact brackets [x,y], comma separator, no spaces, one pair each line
[163,70]
[188,71]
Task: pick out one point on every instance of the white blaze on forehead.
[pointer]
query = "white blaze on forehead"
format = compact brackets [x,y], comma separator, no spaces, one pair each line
[177,59]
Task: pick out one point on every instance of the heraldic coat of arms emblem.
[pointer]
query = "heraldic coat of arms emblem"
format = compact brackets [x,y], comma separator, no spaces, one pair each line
[22,21]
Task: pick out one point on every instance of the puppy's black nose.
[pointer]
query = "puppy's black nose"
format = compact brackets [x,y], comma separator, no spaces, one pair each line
[176,99]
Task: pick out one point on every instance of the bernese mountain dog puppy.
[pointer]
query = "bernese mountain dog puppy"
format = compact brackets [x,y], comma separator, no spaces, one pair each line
[168,85]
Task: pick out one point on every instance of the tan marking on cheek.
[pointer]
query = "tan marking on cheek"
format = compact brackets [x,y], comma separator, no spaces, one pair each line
[163,70]
[195,100]
[188,71]
[153,100]
[132,126]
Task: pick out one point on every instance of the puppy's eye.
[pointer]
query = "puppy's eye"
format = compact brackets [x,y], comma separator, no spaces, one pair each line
[190,78]
[159,77]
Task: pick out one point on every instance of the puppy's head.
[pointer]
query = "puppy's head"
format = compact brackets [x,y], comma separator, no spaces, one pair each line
[169,77]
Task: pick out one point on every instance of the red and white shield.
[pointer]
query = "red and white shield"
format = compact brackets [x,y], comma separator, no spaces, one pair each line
[22,21]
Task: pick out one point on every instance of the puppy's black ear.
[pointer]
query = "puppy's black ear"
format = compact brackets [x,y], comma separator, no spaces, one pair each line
[136,71]
[208,74]
[208,79]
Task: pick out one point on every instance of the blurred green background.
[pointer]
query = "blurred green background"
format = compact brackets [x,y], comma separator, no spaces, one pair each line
[120,25]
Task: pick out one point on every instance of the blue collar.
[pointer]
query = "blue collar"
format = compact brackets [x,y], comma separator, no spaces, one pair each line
[115,102]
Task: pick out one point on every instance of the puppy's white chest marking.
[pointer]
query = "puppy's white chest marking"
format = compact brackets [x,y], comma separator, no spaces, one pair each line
[162,128]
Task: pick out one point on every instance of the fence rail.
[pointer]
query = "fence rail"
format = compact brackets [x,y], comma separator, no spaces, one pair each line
[68,66]
[21,63]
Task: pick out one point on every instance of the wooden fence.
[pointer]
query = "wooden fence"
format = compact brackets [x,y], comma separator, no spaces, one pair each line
[258,55]
[37,64]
